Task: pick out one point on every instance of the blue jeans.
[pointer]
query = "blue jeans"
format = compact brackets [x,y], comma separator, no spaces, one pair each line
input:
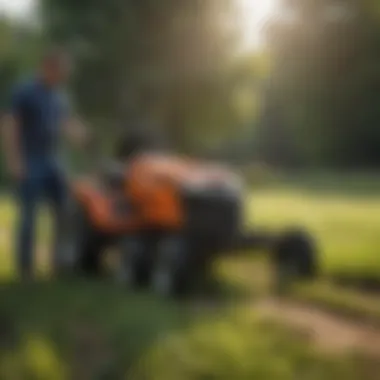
[41,182]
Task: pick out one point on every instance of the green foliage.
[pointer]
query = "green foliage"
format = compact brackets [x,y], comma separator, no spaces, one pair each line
[20,46]
[325,84]
[168,62]
[19,49]
[312,99]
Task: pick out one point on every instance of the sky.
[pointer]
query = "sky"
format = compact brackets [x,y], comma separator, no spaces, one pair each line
[16,8]
[255,14]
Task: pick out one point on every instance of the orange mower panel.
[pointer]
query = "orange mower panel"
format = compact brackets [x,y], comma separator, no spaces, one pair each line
[153,187]
[100,211]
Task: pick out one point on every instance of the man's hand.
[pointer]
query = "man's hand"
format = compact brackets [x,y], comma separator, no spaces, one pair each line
[77,133]
[16,170]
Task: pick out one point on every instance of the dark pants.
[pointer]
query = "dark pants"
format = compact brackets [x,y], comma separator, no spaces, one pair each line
[43,182]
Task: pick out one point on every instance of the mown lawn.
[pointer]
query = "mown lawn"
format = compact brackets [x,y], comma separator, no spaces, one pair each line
[343,215]
[95,330]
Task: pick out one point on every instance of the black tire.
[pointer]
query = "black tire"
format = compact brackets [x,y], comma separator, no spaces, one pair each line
[136,262]
[295,258]
[86,244]
[173,268]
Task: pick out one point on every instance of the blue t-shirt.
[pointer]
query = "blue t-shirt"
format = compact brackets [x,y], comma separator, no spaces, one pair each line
[41,112]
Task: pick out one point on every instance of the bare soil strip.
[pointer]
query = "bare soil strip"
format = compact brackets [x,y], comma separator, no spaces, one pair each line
[329,332]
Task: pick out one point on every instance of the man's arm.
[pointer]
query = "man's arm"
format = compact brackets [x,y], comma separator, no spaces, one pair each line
[10,128]
[73,127]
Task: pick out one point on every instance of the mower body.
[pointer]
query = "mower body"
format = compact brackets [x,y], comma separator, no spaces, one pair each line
[170,218]
[164,194]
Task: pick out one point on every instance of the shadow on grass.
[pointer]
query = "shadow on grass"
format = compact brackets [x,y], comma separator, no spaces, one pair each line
[365,284]
[92,329]
[337,186]
[86,329]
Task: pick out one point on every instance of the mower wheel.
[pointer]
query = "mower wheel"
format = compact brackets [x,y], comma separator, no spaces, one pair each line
[135,264]
[85,243]
[295,258]
[172,273]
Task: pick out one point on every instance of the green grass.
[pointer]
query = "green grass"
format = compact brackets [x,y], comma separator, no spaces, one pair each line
[94,330]
[347,228]
[83,329]
[343,214]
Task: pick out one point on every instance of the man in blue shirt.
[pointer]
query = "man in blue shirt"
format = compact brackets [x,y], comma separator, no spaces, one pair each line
[39,113]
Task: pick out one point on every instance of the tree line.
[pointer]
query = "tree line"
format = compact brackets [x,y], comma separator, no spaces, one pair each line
[310,98]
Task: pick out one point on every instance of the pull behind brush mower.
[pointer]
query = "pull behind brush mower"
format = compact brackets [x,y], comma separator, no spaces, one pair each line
[170,218]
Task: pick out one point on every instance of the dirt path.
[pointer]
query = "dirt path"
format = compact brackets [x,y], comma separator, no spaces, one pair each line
[329,332]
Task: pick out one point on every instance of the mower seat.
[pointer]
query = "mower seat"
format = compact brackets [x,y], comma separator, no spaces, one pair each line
[113,175]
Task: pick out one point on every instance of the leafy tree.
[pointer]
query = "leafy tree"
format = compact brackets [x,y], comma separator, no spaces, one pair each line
[19,49]
[326,79]
[170,61]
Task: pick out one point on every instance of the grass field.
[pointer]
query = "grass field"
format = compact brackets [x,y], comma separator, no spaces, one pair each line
[342,213]
[94,330]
